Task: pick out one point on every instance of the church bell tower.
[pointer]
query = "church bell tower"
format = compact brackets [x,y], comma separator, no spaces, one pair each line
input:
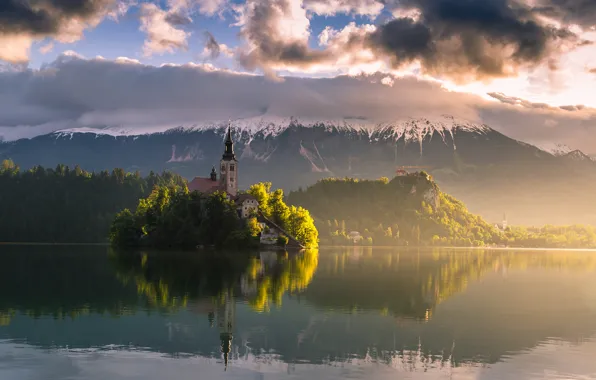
[229,167]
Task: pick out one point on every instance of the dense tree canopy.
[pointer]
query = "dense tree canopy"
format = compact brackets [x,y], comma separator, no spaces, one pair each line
[171,216]
[68,205]
[295,220]
[411,210]
[408,210]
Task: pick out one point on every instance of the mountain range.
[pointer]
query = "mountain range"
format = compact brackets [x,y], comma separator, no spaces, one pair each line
[493,174]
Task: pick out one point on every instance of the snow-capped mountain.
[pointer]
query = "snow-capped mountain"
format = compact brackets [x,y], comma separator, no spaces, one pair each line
[481,166]
[556,149]
[578,155]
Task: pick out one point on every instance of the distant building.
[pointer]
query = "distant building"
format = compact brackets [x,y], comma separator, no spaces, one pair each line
[355,236]
[503,225]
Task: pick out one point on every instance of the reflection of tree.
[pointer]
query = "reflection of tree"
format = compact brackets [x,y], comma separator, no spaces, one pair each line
[171,279]
[60,282]
[6,316]
[410,283]
[284,275]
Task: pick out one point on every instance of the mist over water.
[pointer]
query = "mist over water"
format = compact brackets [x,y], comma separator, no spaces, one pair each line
[364,313]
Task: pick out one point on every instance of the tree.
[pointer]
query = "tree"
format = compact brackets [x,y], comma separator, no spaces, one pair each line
[67,206]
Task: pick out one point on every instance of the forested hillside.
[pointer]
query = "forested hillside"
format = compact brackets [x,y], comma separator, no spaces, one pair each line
[412,210]
[404,211]
[68,205]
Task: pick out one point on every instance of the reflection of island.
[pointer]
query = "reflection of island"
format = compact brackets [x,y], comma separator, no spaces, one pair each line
[334,306]
[171,280]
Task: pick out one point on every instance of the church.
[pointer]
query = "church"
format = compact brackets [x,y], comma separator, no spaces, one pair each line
[246,205]
[226,181]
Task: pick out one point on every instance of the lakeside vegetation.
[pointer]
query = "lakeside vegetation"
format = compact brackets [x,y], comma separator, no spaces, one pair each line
[173,217]
[68,205]
[412,211]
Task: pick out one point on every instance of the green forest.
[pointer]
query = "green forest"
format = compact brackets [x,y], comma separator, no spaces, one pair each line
[68,205]
[173,217]
[411,210]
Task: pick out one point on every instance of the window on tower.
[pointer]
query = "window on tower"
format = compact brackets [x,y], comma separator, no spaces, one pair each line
[232,168]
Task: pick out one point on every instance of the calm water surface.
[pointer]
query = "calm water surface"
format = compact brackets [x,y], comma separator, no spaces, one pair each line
[89,313]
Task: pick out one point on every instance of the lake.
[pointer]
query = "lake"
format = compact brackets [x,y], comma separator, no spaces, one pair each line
[358,313]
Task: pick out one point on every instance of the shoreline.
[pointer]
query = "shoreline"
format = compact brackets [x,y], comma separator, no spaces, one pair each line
[322,247]
[426,247]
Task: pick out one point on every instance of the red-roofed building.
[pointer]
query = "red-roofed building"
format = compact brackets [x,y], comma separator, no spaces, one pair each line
[206,185]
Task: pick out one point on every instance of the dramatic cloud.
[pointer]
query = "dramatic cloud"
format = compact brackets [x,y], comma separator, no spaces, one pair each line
[527,104]
[213,48]
[24,21]
[460,40]
[211,7]
[582,12]
[471,39]
[333,7]
[276,32]
[163,28]
[76,93]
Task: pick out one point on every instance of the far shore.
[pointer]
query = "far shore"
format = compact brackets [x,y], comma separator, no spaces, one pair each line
[452,247]
[424,247]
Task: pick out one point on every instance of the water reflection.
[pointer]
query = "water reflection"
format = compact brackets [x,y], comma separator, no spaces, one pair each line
[406,310]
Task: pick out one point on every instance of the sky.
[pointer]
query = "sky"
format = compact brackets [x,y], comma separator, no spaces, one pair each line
[525,67]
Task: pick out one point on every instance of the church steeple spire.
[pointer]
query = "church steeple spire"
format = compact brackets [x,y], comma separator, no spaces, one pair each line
[229,151]
[228,175]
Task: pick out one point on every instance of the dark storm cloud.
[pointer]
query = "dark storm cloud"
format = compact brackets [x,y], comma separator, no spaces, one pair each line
[405,39]
[45,17]
[465,40]
[212,46]
[480,38]
[582,12]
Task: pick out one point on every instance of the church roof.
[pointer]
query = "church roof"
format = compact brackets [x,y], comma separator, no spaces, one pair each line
[204,185]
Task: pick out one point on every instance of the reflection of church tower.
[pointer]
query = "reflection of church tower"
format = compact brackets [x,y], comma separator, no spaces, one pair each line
[226,316]
[228,174]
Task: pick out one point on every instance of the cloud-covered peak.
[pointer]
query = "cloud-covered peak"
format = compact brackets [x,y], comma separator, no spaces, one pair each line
[73,92]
